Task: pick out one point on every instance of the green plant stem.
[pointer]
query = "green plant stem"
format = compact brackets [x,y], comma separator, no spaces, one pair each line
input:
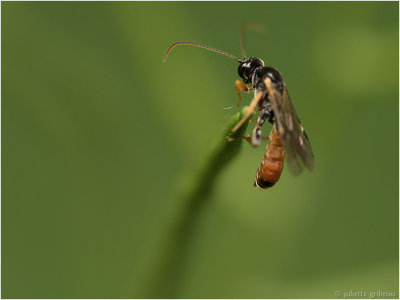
[162,268]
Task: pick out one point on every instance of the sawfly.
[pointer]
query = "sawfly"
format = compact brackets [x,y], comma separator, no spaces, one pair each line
[288,138]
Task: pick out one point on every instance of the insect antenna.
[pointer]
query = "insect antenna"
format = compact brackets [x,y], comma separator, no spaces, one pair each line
[253,26]
[200,46]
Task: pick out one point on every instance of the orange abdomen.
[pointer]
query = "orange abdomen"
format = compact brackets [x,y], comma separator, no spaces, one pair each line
[272,165]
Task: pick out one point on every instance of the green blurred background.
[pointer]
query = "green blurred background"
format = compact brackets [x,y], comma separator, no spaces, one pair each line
[99,137]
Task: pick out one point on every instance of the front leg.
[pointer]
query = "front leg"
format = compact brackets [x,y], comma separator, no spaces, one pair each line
[240,87]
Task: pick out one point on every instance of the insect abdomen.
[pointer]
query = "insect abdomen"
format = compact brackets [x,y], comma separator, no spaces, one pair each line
[272,165]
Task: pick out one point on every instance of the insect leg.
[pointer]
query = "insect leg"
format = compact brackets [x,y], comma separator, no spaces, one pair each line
[240,87]
[247,138]
[253,120]
[256,138]
[250,109]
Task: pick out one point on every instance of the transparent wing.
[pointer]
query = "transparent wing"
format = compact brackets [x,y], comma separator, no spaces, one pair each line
[297,146]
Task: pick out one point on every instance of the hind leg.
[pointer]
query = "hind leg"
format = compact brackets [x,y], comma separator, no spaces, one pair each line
[248,138]
[257,138]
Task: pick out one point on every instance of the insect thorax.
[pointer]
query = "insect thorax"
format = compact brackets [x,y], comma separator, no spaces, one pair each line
[261,73]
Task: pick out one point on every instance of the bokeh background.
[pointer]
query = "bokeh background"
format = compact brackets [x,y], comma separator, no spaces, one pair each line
[99,138]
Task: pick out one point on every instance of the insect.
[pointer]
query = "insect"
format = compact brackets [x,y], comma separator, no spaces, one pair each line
[271,98]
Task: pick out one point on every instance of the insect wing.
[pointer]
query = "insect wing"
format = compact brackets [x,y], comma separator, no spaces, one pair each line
[297,146]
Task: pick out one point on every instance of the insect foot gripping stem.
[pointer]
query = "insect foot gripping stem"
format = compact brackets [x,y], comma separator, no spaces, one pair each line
[271,167]
[239,132]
